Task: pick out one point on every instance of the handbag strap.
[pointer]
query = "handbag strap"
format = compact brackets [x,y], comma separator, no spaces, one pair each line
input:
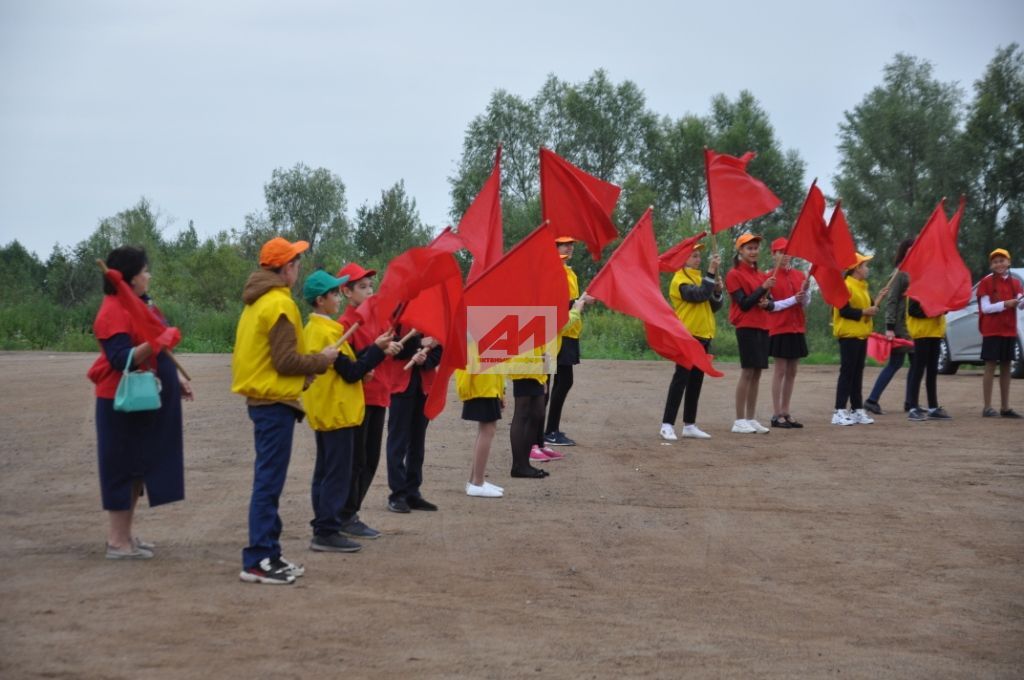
[128,364]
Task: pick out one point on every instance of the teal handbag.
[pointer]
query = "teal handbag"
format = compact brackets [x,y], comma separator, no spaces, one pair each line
[138,390]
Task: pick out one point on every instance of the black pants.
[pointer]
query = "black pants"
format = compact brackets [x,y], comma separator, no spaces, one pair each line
[526,421]
[925,364]
[332,479]
[852,354]
[365,458]
[407,437]
[685,382]
[560,387]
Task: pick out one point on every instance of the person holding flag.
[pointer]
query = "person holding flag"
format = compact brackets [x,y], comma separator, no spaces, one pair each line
[749,292]
[142,449]
[895,327]
[568,356]
[851,325]
[695,297]
[999,297]
[787,342]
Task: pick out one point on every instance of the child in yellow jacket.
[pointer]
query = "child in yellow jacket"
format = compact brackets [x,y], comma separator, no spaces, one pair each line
[927,333]
[852,324]
[483,398]
[335,405]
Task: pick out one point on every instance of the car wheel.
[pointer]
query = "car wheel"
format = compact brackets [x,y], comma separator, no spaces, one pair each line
[1017,367]
[946,366]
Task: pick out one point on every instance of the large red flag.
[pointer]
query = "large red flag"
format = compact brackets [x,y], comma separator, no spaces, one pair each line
[811,240]
[407,275]
[529,275]
[954,222]
[480,227]
[577,204]
[675,257]
[628,283]
[843,248]
[733,195]
[939,279]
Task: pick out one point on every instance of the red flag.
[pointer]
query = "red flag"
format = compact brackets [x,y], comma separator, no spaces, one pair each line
[530,274]
[880,347]
[407,275]
[939,279]
[811,240]
[628,283]
[675,257]
[843,248]
[577,204]
[733,195]
[480,227]
[447,241]
[144,320]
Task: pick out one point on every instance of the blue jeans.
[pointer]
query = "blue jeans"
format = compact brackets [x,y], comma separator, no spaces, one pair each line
[890,369]
[332,479]
[274,425]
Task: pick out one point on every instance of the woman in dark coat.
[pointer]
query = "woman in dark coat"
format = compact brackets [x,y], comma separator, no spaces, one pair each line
[143,449]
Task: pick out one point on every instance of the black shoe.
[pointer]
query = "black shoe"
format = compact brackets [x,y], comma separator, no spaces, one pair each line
[938,413]
[529,472]
[334,543]
[420,503]
[781,422]
[356,529]
[792,423]
[873,407]
[918,414]
[558,439]
[1009,413]
[398,505]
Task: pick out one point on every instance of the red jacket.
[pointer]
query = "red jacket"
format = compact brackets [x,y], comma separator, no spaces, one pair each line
[998,289]
[746,278]
[791,319]
[112,319]
[376,391]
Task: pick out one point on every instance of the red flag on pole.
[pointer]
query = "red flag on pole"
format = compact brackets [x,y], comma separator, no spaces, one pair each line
[628,283]
[447,241]
[811,240]
[939,279]
[843,248]
[577,204]
[954,222]
[480,227]
[675,257]
[144,320]
[528,275]
[733,195]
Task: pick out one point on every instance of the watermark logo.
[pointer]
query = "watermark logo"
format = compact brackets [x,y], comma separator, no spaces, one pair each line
[519,340]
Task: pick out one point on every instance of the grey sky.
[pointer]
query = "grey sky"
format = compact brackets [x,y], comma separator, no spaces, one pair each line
[193,104]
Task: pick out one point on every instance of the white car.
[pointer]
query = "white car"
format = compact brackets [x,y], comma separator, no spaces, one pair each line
[962,344]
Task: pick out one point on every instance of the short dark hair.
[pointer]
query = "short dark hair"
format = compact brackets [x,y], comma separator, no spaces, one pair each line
[129,260]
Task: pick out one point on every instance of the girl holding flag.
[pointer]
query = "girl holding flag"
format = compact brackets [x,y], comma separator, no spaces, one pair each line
[852,325]
[751,302]
[786,337]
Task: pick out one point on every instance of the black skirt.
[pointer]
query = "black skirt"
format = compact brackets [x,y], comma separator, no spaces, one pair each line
[997,348]
[753,346]
[788,346]
[482,409]
[527,387]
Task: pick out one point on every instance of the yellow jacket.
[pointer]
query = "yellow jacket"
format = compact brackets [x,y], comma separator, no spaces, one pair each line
[330,402]
[252,372]
[859,299]
[928,327]
[698,317]
[575,327]
[479,385]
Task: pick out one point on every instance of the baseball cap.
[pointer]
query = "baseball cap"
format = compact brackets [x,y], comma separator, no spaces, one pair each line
[318,283]
[999,252]
[746,238]
[279,251]
[779,244]
[565,239]
[353,272]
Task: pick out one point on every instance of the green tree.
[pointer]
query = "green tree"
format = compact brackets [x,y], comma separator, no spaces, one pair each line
[21,273]
[899,153]
[388,228]
[994,145]
[307,204]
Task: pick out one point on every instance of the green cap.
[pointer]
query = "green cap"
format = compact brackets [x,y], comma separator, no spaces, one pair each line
[318,283]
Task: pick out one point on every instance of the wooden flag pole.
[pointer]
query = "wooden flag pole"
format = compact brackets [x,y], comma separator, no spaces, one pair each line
[421,351]
[885,288]
[170,355]
[348,334]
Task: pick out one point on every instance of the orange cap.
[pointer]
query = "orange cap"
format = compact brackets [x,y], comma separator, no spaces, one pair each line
[999,252]
[743,239]
[565,239]
[279,251]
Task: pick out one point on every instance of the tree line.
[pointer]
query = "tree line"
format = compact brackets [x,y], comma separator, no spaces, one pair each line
[910,141]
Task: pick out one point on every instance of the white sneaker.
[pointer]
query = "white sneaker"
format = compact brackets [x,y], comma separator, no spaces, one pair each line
[758,427]
[742,426]
[861,417]
[495,487]
[481,491]
[668,433]
[694,432]
[843,417]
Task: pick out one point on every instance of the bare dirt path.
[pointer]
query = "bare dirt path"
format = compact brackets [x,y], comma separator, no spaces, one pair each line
[887,551]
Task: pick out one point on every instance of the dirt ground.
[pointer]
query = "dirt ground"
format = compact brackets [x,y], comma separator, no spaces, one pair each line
[887,551]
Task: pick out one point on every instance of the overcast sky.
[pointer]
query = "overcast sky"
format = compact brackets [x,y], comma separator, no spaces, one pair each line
[193,104]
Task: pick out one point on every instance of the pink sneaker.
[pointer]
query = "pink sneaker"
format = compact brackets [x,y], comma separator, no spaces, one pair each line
[552,454]
[538,456]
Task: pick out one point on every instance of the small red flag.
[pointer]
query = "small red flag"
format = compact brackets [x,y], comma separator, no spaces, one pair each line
[811,240]
[480,227]
[577,204]
[629,283]
[939,279]
[447,241]
[843,248]
[733,195]
[144,320]
[954,222]
[675,257]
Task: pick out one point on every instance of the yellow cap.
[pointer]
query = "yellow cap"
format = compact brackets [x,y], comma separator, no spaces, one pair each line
[999,252]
